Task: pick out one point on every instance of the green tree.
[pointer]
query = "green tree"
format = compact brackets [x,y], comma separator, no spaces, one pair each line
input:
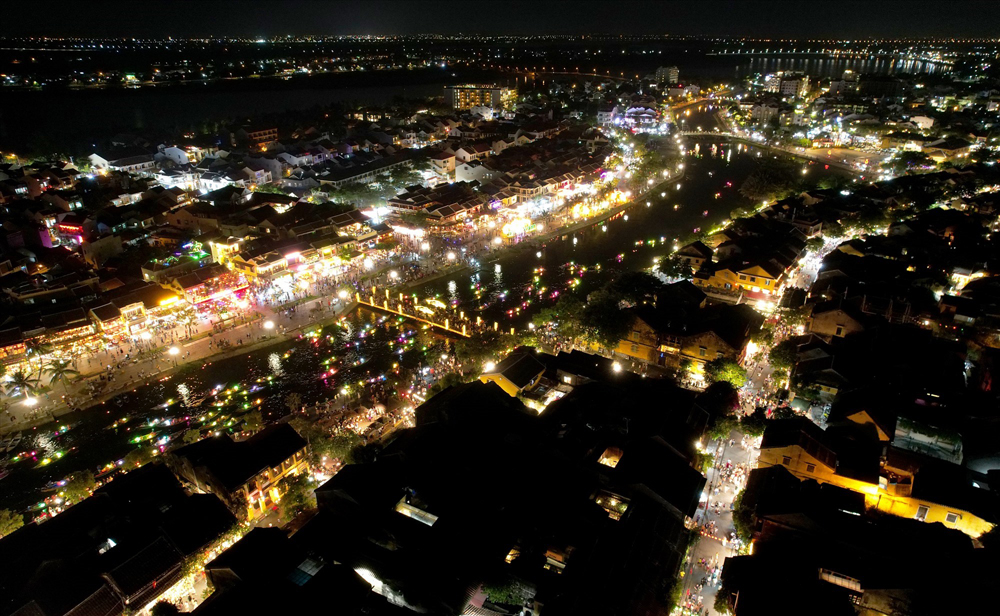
[297,495]
[794,317]
[906,162]
[723,426]
[723,369]
[36,349]
[253,421]
[487,346]
[340,446]
[60,372]
[138,457]
[783,356]
[273,189]
[764,337]
[674,267]
[814,244]
[834,181]
[164,608]
[743,517]
[504,589]
[753,424]
[449,380]
[365,454]
[21,382]
[562,317]
[772,179]
[80,485]
[10,521]
[603,321]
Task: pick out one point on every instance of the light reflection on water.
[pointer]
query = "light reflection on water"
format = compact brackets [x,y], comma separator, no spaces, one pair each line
[106,432]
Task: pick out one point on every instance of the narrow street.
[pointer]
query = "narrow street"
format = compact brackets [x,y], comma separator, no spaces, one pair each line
[733,461]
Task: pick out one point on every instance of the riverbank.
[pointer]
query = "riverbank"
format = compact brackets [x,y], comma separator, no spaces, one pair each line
[549,235]
[200,351]
[801,152]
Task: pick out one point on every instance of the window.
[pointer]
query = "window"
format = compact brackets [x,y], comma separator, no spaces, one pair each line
[786,460]
[718,355]
[635,348]
[753,279]
[840,331]
[952,518]
[921,513]
[810,468]
[702,351]
[767,283]
[743,277]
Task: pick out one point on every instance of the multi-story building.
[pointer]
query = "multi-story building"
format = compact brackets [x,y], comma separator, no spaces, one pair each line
[473,95]
[667,74]
[792,85]
[245,475]
[893,480]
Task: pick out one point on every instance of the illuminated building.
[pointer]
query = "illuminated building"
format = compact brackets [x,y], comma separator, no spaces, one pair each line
[900,482]
[667,74]
[245,474]
[472,95]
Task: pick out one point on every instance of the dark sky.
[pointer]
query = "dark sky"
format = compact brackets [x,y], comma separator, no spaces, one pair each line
[763,18]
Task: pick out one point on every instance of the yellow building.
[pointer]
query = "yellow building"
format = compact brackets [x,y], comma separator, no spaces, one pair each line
[246,475]
[517,373]
[662,337]
[893,480]
[764,278]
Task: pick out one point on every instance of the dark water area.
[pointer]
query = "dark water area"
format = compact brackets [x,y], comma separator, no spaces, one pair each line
[75,121]
[512,287]
[78,120]
[365,351]
[823,66]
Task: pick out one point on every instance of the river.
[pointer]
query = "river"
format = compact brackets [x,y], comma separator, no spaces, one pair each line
[506,289]
[365,348]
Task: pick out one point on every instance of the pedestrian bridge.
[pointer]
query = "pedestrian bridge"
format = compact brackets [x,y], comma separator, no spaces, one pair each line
[704,133]
[412,311]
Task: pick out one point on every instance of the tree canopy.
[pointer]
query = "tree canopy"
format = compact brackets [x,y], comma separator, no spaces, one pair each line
[10,521]
[727,370]
[771,180]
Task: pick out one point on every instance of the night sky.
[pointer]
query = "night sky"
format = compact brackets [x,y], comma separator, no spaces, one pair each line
[763,18]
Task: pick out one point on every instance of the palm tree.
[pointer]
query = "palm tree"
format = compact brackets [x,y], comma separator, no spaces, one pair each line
[61,372]
[20,381]
[36,348]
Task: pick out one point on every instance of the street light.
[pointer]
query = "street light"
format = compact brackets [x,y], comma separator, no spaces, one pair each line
[425,246]
[342,294]
[268,324]
[490,366]
[616,367]
[451,256]
[174,351]
[394,274]
[31,401]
